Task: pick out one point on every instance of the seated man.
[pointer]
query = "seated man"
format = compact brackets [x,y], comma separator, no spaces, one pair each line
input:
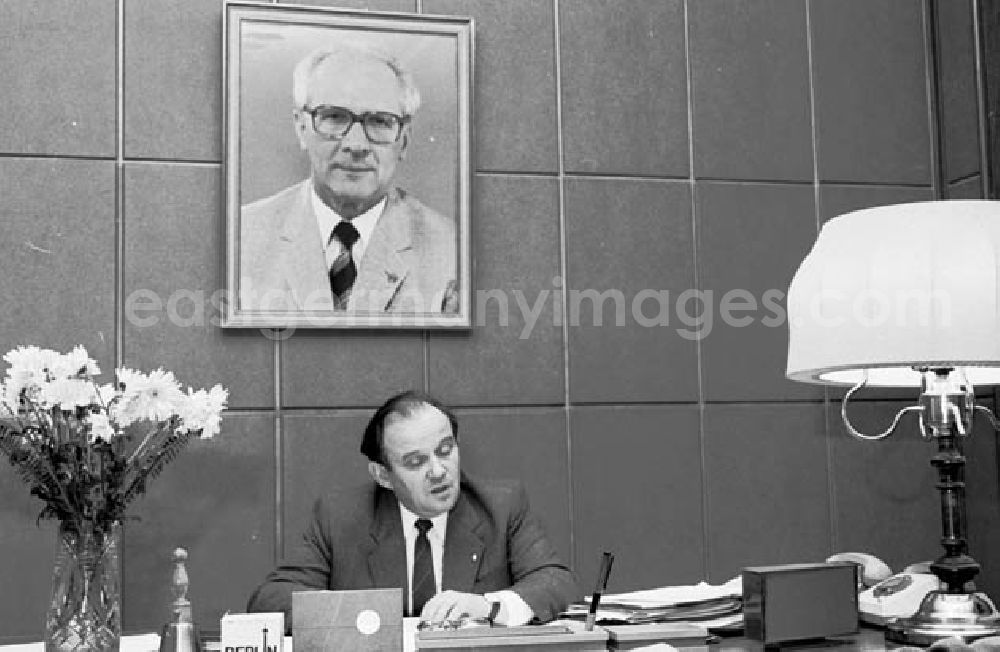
[458,547]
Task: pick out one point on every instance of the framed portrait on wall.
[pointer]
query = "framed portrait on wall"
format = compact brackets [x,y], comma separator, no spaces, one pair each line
[348,168]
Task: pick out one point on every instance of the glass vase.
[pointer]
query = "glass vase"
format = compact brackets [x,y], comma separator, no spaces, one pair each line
[84,613]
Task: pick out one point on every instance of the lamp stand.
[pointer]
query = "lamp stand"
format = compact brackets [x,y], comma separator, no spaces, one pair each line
[957,609]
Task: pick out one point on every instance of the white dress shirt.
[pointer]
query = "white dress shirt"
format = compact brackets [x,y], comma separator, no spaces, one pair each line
[514,610]
[327,218]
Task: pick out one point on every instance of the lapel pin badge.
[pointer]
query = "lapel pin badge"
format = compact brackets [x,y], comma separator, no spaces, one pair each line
[390,277]
[475,557]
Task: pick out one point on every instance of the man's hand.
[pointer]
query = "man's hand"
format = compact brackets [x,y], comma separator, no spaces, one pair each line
[452,605]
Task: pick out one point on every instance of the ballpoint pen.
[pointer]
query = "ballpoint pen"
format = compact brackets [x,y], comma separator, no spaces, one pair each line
[602,584]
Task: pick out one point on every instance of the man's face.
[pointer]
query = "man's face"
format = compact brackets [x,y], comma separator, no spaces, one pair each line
[422,462]
[352,174]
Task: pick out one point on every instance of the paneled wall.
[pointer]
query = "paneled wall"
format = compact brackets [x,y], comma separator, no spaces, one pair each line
[656,148]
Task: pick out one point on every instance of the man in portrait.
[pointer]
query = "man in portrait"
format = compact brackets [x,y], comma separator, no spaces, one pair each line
[459,546]
[347,238]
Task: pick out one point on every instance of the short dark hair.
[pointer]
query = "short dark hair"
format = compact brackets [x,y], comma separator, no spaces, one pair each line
[404,404]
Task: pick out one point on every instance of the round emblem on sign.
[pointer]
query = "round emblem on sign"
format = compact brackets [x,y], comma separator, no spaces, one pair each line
[368,622]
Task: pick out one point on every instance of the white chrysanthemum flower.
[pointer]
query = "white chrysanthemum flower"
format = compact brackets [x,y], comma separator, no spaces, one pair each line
[202,410]
[106,393]
[30,359]
[23,384]
[126,378]
[155,397]
[30,368]
[67,393]
[75,363]
[100,427]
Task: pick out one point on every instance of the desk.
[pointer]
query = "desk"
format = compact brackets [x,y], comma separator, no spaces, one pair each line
[151,642]
[868,640]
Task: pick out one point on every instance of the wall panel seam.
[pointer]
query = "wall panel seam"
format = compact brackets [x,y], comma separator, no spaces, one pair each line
[831,488]
[982,129]
[561,209]
[691,183]
[934,110]
[279,475]
[119,269]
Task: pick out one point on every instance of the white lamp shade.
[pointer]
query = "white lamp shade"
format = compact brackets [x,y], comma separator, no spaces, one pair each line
[885,289]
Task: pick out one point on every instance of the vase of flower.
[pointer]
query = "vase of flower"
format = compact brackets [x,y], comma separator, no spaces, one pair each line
[84,613]
[88,450]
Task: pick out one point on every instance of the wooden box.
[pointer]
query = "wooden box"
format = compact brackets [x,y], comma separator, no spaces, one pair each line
[800,601]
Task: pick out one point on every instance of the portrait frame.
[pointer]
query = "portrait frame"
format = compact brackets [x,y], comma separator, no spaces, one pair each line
[428,204]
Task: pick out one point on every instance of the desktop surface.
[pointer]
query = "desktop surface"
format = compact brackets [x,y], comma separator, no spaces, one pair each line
[867,640]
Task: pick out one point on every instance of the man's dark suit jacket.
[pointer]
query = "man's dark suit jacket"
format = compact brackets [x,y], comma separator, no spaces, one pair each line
[492,542]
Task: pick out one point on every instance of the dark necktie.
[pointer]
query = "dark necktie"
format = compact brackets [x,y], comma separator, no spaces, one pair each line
[342,271]
[423,583]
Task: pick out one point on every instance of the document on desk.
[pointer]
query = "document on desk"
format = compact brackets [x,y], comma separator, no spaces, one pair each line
[699,602]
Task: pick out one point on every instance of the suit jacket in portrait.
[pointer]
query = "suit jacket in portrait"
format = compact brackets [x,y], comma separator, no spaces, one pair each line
[409,265]
[492,542]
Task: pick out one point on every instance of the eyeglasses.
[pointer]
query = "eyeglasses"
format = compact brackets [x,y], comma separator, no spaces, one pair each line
[381,127]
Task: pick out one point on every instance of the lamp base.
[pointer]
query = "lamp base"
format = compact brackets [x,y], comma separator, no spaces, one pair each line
[968,616]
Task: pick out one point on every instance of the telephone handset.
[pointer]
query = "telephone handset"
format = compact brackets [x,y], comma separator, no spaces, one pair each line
[882,595]
[872,570]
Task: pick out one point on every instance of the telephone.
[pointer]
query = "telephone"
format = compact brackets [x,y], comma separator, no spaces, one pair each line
[896,597]
[883,596]
[871,571]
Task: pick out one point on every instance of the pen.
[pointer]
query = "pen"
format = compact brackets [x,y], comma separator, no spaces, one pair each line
[602,584]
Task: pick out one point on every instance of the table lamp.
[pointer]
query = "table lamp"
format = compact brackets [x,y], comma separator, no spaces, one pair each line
[908,295]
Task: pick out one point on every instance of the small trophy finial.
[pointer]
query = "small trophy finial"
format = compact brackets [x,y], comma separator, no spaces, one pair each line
[180,583]
[180,635]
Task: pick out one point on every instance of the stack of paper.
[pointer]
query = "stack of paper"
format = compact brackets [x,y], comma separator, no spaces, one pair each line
[701,602]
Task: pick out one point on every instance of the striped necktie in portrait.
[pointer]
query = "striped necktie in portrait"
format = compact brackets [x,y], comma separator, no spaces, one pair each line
[342,270]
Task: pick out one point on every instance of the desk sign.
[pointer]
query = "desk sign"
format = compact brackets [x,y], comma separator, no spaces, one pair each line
[259,632]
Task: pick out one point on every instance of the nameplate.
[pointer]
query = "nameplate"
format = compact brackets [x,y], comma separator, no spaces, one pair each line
[257,632]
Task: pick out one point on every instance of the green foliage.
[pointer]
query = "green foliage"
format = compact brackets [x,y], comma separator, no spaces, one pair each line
[79,480]
[88,450]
